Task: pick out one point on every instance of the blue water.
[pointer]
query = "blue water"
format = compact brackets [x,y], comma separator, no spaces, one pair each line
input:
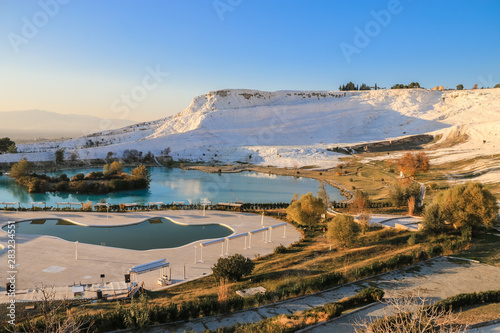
[158,233]
[174,184]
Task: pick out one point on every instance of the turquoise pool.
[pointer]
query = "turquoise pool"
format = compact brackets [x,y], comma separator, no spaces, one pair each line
[155,233]
[173,184]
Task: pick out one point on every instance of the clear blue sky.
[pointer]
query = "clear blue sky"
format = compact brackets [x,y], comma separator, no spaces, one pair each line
[85,55]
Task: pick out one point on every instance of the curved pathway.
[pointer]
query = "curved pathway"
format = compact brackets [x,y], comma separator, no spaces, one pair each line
[436,278]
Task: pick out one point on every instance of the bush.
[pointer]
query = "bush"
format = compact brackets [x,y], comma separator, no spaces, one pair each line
[118,185]
[461,300]
[59,156]
[306,211]
[435,250]
[400,193]
[412,240]
[232,268]
[280,249]
[433,219]
[20,169]
[467,205]
[77,177]
[62,186]
[343,230]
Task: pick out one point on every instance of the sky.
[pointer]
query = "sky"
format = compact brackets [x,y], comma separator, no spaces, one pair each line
[144,60]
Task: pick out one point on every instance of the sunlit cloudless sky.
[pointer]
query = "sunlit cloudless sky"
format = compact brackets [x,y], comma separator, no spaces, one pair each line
[87,56]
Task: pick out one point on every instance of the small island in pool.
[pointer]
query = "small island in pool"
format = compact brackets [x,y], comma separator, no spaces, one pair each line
[111,179]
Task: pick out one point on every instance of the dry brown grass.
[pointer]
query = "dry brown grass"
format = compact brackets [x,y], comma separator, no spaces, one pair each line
[479,313]
[311,257]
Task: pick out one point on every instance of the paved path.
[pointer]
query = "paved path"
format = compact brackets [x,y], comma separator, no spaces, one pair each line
[486,329]
[51,261]
[437,278]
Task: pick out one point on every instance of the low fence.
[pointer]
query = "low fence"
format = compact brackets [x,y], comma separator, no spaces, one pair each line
[100,207]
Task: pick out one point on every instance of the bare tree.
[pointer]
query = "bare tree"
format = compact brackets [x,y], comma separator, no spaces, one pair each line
[409,314]
[323,194]
[55,316]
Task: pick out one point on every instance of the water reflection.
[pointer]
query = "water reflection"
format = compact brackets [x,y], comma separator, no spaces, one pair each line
[169,184]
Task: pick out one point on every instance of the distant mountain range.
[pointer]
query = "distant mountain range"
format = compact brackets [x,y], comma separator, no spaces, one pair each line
[34,124]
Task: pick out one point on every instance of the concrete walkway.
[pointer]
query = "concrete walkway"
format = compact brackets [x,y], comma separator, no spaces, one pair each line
[51,261]
[437,279]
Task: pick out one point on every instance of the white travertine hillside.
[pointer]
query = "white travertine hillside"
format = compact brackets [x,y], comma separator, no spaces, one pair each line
[286,128]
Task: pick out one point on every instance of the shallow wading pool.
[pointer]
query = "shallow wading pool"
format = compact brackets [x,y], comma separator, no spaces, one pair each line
[155,233]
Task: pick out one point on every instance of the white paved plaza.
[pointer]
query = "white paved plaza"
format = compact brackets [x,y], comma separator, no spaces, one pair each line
[51,261]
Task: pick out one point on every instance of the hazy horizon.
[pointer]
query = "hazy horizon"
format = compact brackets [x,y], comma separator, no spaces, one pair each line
[144,61]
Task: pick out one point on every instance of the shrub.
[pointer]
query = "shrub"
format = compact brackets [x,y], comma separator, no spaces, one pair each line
[468,205]
[63,177]
[232,268]
[343,230]
[412,240]
[141,173]
[400,193]
[62,186]
[306,211]
[59,155]
[78,176]
[20,169]
[280,249]
[411,163]
[461,300]
[435,250]
[433,219]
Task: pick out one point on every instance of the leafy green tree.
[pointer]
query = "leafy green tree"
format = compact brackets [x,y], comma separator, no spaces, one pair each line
[343,230]
[468,205]
[400,192]
[460,87]
[232,268]
[497,85]
[5,143]
[20,169]
[398,86]
[361,202]
[12,149]
[141,172]
[349,86]
[434,220]
[59,156]
[77,177]
[115,168]
[307,210]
